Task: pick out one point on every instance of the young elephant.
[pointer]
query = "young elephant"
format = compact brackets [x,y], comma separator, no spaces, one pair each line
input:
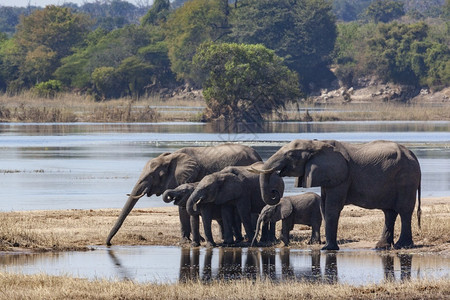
[232,187]
[300,209]
[180,195]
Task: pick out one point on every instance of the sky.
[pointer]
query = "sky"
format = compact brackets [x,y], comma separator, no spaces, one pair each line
[43,3]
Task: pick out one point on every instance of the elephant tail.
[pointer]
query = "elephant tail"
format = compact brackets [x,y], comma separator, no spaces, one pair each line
[419,210]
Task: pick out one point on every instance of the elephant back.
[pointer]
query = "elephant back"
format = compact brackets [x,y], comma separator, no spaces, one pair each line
[214,159]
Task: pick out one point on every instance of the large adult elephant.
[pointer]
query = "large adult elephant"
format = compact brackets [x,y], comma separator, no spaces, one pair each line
[189,164]
[379,174]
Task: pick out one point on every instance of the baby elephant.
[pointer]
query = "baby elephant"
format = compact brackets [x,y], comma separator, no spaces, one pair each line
[180,195]
[300,209]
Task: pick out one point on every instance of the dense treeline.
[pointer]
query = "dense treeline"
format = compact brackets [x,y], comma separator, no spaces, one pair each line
[115,49]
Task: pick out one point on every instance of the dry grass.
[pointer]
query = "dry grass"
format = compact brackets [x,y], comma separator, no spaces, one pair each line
[367,112]
[76,108]
[49,287]
[79,229]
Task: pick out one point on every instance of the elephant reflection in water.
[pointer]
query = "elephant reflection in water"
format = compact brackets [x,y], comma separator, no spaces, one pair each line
[190,265]
[405,266]
[258,264]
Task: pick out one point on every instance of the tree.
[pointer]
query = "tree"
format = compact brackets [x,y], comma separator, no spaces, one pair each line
[303,32]
[157,14]
[385,10]
[244,82]
[349,10]
[46,36]
[197,21]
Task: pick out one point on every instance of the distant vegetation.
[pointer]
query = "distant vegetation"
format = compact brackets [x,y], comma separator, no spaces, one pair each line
[113,49]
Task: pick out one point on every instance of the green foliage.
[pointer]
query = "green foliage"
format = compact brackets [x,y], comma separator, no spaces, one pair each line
[197,21]
[43,38]
[244,82]
[393,52]
[437,61]
[105,81]
[349,10]
[303,32]
[157,14]
[384,10]
[48,89]
[137,56]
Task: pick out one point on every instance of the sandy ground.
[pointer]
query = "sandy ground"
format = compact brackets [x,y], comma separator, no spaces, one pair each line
[61,230]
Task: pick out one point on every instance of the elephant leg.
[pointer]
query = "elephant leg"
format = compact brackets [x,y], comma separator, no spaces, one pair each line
[285,229]
[228,219]
[185,224]
[387,236]
[237,227]
[405,239]
[195,224]
[220,222]
[271,232]
[207,222]
[332,210]
[247,221]
[315,234]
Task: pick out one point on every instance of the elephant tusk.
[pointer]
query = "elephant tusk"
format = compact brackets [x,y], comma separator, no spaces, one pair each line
[260,171]
[197,203]
[138,196]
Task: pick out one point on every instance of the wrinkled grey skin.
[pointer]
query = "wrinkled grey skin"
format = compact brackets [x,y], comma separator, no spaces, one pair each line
[189,164]
[180,196]
[377,175]
[299,209]
[234,186]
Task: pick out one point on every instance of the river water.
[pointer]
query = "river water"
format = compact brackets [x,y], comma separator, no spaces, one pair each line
[162,264]
[92,166]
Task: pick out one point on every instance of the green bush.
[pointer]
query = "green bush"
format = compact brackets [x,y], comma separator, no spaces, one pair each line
[48,89]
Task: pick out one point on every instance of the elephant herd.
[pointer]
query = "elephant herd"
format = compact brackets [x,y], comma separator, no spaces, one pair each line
[230,184]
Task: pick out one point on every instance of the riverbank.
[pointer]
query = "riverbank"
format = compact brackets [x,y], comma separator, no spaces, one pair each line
[78,108]
[61,230]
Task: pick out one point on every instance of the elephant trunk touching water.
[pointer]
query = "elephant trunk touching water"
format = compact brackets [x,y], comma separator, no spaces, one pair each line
[189,164]
[138,192]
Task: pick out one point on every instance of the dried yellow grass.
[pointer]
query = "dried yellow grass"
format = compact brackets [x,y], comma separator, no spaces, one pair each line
[27,107]
[79,229]
[13,286]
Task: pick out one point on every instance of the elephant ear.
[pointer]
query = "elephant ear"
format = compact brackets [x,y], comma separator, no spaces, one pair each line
[183,169]
[283,210]
[230,187]
[327,167]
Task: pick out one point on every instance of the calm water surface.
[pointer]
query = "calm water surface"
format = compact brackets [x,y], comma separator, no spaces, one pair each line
[90,166]
[173,264]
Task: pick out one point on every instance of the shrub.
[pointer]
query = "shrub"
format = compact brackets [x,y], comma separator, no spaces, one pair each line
[48,89]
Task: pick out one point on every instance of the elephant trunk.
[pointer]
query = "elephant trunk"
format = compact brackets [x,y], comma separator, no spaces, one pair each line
[167,196]
[191,206]
[258,227]
[269,194]
[131,202]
